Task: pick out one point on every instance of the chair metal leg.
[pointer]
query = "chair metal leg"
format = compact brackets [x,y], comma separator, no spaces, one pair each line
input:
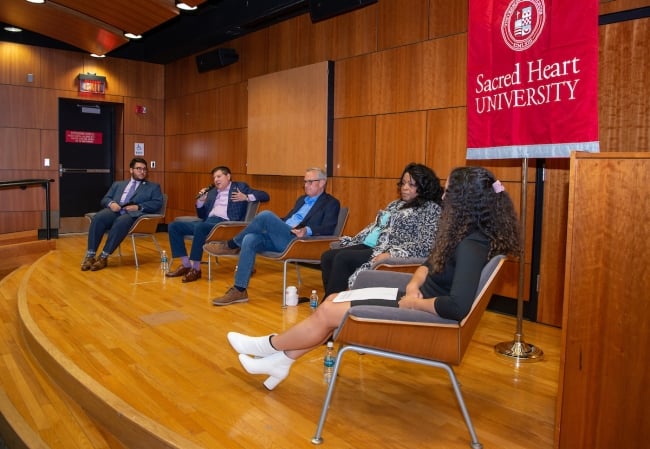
[155,242]
[135,253]
[284,284]
[461,403]
[317,439]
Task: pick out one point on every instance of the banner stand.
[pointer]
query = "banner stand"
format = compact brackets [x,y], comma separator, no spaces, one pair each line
[518,349]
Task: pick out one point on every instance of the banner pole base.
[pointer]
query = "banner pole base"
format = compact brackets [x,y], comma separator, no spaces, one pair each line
[519,350]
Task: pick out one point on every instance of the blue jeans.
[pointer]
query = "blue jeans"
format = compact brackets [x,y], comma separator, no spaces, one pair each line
[267,232]
[199,229]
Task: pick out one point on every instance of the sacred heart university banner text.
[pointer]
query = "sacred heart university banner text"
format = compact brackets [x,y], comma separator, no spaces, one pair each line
[532,78]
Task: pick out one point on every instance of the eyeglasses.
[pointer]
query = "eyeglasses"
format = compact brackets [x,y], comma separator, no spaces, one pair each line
[410,184]
[140,168]
[309,181]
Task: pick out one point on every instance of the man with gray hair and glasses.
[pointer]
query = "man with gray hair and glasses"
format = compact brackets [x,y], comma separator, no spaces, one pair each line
[315,213]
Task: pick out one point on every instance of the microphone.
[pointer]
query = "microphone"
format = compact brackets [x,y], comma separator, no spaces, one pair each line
[204,191]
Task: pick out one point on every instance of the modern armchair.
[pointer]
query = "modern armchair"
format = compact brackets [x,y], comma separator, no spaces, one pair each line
[144,226]
[409,335]
[306,250]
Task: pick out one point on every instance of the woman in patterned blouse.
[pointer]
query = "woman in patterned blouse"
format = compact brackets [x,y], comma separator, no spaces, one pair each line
[405,228]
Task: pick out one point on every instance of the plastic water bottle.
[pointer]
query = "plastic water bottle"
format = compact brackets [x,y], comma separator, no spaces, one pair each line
[328,362]
[313,299]
[164,262]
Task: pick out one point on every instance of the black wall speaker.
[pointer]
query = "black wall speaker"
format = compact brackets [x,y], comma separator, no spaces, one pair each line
[324,9]
[216,59]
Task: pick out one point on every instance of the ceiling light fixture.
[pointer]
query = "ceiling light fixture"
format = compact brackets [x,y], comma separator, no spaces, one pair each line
[133,36]
[185,7]
[95,55]
[36,1]
[12,29]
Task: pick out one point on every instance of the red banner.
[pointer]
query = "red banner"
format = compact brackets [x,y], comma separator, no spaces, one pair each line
[532,78]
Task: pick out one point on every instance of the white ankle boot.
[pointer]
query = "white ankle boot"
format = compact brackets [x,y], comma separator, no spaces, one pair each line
[257,346]
[276,366]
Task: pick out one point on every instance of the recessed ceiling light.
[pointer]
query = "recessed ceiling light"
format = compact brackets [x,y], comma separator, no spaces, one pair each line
[95,55]
[12,29]
[133,36]
[185,6]
[36,1]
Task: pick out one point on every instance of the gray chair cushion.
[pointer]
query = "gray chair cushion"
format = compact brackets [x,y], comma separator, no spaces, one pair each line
[371,278]
[394,313]
[397,261]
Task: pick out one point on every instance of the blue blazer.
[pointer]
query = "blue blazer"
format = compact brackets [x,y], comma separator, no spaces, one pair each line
[236,210]
[322,217]
[148,196]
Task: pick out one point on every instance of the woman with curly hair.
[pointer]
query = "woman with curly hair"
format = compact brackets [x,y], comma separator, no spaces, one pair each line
[405,228]
[478,222]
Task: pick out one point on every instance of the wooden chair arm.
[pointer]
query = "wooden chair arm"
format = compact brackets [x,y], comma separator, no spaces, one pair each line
[146,224]
[401,264]
[307,248]
[226,230]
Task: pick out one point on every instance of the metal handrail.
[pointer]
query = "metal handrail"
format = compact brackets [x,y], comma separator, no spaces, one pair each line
[23,184]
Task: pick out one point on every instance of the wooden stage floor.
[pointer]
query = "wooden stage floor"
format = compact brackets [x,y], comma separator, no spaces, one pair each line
[147,358]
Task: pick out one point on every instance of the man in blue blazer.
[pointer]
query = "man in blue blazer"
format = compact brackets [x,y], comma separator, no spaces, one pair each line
[223,200]
[315,213]
[124,202]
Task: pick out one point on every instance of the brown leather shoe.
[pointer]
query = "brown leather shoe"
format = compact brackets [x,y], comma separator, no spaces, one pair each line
[192,275]
[180,271]
[87,263]
[99,264]
[220,249]
[232,296]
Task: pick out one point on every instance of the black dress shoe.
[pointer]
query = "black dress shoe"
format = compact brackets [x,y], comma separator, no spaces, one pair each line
[180,271]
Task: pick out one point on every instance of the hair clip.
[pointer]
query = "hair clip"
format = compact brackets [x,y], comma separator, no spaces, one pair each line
[497,186]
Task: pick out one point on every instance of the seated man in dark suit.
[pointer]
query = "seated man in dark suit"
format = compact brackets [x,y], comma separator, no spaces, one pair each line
[228,201]
[124,202]
[315,213]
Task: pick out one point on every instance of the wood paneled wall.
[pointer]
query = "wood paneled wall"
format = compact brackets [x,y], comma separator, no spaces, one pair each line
[399,97]
[29,120]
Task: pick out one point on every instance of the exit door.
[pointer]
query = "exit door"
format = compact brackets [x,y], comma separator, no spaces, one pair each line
[86,155]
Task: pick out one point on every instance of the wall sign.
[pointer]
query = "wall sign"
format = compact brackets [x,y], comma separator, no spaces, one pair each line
[83,137]
[92,84]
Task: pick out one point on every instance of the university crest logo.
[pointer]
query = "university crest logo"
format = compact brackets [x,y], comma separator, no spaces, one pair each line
[522,23]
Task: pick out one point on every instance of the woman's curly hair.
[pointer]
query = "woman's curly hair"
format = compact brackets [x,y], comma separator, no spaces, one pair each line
[471,203]
[427,184]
